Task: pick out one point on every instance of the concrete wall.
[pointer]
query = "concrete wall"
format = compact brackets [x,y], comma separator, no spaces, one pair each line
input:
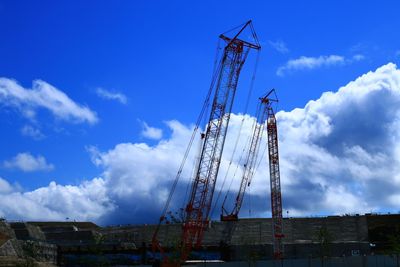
[250,231]
[248,239]
[71,237]
[6,231]
[252,238]
[26,231]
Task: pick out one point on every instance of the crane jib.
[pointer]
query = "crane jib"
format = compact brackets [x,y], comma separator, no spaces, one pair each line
[224,86]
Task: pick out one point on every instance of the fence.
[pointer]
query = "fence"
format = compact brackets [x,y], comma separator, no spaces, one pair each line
[355,261]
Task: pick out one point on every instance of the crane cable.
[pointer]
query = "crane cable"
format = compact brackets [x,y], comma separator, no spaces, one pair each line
[199,118]
[258,147]
[262,156]
[251,87]
[249,195]
[245,148]
[234,28]
[256,156]
[215,68]
[234,175]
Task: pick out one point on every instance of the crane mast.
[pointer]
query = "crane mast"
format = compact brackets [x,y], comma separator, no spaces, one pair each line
[275,184]
[197,210]
[202,190]
[251,158]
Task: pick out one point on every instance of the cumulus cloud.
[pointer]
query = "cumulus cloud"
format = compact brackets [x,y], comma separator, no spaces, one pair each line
[138,176]
[106,94]
[5,187]
[279,46]
[303,63]
[30,131]
[151,132]
[28,163]
[133,187]
[344,148]
[87,201]
[338,154]
[43,95]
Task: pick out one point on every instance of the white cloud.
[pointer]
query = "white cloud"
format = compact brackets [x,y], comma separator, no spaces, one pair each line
[279,46]
[151,132]
[5,187]
[339,151]
[105,94]
[358,57]
[338,154]
[141,165]
[32,132]
[28,163]
[87,201]
[309,63]
[43,95]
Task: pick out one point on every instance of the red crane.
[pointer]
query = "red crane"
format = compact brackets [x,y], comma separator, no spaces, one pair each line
[251,158]
[213,139]
[275,185]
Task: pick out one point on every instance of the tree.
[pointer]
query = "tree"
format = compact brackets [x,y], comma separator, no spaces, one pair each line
[394,244]
[177,216]
[324,238]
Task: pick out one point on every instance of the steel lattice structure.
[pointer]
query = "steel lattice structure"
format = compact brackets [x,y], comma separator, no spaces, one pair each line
[202,190]
[224,86]
[275,184]
[251,158]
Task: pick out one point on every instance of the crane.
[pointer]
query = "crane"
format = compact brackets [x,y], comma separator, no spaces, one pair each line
[251,157]
[202,189]
[275,185]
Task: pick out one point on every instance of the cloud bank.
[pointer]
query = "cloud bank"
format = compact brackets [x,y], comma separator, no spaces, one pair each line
[45,96]
[87,201]
[339,154]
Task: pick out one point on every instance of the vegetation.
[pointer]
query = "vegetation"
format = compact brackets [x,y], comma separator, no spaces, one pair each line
[324,238]
[176,217]
[394,244]
[31,253]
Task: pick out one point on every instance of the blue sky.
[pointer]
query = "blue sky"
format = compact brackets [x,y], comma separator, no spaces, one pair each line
[136,73]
